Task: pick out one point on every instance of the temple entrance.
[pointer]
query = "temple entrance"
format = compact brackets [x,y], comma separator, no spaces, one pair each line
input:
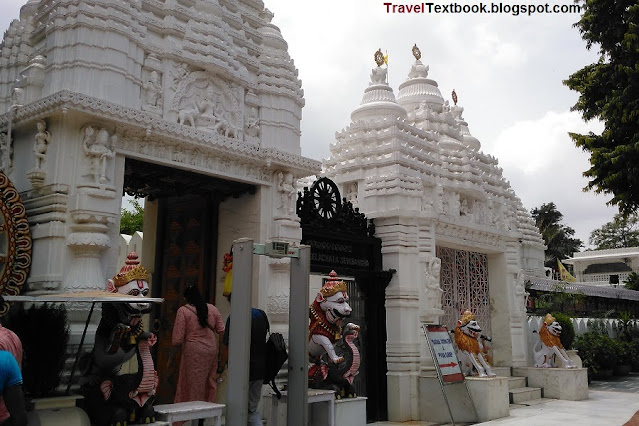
[342,239]
[185,247]
[464,280]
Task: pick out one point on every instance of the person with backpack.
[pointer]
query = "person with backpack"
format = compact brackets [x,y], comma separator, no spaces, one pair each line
[258,363]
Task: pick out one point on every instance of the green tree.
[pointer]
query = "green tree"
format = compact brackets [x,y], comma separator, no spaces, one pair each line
[632,282]
[557,236]
[622,231]
[609,92]
[131,221]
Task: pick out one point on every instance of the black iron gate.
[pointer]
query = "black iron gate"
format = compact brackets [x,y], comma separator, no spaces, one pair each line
[342,239]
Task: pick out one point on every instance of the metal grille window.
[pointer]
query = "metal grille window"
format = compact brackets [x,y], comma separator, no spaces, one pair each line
[464,280]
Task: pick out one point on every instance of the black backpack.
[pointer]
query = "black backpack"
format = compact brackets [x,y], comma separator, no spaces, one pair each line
[276,356]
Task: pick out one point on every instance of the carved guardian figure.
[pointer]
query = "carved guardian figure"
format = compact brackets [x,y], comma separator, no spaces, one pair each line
[469,346]
[112,398]
[549,345]
[334,359]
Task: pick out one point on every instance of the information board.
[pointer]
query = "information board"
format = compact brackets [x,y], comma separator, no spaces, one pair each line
[445,356]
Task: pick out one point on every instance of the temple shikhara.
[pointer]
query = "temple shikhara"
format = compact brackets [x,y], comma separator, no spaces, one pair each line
[449,222]
[195,106]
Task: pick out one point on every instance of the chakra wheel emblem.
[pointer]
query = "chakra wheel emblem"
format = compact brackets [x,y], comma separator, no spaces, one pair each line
[325,196]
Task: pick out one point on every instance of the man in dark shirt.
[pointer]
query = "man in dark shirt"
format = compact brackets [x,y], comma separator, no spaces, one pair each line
[257,369]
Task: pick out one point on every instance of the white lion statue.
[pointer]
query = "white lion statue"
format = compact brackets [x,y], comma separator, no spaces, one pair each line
[469,346]
[550,344]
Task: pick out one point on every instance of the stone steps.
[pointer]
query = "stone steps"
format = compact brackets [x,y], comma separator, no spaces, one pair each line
[519,395]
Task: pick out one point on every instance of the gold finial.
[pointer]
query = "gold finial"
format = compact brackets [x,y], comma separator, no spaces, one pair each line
[454,97]
[379,57]
[549,319]
[467,317]
[416,52]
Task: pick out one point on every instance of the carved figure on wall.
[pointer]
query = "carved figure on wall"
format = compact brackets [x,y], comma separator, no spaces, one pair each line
[153,90]
[286,190]
[334,359]
[98,147]
[179,73]
[252,124]
[432,272]
[549,345]
[351,192]
[520,294]
[208,104]
[113,398]
[6,153]
[42,139]
[464,210]
[470,348]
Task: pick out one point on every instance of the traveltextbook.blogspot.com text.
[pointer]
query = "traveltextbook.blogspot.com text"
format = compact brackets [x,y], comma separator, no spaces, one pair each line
[523,9]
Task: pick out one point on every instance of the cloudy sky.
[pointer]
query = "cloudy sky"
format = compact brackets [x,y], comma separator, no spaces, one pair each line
[507,71]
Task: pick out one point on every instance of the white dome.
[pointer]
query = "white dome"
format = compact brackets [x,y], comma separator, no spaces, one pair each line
[378,100]
[418,88]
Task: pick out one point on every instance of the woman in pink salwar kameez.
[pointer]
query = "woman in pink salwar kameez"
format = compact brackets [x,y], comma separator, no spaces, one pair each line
[196,326]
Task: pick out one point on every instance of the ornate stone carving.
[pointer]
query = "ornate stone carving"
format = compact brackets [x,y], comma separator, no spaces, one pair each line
[520,295]
[153,97]
[163,130]
[42,139]
[179,73]
[252,124]
[206,104]
[351,193]
[432,289]
[15,241]
[286,192]
[6,153]
[98,148]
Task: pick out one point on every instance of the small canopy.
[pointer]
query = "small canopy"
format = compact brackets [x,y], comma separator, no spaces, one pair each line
[544,284]
[93,296]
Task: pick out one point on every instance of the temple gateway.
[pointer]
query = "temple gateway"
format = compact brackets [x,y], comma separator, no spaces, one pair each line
[195,105]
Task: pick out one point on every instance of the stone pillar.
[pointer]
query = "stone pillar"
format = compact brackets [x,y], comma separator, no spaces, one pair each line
[399,250]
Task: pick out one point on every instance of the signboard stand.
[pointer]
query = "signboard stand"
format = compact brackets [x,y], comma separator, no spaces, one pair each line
[445,359]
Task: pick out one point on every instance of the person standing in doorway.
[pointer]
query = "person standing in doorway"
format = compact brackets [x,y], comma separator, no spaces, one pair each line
[197,327]
[257,365]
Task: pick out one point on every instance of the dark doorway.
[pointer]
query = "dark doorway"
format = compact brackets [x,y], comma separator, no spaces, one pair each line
[185,246]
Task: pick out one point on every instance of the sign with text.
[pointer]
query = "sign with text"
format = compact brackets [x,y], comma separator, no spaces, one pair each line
[446,359]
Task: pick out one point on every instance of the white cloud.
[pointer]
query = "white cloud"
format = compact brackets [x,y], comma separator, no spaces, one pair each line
[544,165]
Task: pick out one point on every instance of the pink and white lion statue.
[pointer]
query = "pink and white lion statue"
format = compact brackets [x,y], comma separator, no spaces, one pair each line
[334,359]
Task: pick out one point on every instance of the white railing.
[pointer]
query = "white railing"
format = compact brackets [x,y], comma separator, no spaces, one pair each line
[605,278]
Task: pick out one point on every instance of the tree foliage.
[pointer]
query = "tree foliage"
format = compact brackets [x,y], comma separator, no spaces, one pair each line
[632,282]
[131,221]
[622,231]
[557,236]
[609,91]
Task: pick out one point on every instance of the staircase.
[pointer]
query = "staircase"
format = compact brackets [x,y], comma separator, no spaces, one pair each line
[518,390]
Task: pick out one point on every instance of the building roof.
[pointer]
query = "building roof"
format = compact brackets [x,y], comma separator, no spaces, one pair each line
[545,284]
[591,255]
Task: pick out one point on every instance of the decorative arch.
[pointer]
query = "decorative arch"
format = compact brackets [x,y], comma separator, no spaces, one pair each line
[15,242]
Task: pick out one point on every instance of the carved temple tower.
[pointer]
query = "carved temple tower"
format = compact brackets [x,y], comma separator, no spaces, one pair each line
[193,104]
[449,222]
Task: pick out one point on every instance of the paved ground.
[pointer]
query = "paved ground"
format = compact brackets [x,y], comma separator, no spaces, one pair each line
[612,402]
